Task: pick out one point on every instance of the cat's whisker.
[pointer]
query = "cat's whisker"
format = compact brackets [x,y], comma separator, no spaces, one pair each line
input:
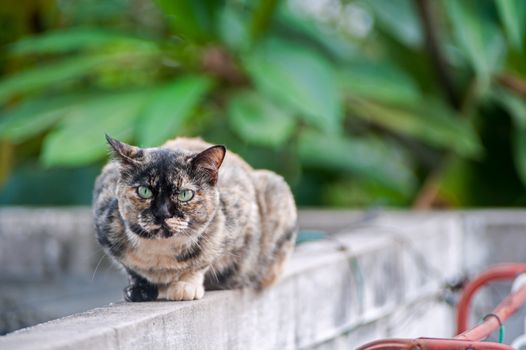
[96,252]
[97,266]
[214,272]
[132,238]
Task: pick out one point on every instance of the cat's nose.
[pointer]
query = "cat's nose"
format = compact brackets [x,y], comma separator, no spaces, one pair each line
[164,211]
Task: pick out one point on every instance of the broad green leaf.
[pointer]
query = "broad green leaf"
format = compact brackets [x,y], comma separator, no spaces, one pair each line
[512,15]
[329,39]
[366,157]
[299,78]
[48,75]
[34,116]
[379,81]
[169,108]
[399,18]
[79,139]
[477,35]
[64,41]
[259,121]
[191,19]
[430,122]
[232,28]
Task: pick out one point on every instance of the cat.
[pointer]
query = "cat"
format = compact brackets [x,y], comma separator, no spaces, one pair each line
[189,216]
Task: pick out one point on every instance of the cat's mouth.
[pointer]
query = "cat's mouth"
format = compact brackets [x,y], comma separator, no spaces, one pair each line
[161,231]
[165,229]
[164,232]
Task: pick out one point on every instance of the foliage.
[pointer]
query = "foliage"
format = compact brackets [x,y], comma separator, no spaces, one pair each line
[354,102]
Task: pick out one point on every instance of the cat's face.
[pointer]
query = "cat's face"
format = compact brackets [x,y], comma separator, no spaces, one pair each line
[164,193]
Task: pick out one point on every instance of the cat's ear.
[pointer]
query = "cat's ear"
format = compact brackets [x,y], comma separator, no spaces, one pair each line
[209,161]
[124,152]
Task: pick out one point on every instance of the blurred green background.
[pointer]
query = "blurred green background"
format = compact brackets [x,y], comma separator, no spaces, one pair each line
[404,103]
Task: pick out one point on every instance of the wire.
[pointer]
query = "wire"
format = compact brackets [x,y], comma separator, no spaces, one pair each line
[501,326]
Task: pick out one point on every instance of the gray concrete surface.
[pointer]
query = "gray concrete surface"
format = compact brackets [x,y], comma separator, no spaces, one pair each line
[46,243]
[381,276]
[51,266]
[28,303]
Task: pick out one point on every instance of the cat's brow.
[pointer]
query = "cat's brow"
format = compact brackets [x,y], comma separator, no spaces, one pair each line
[146,176]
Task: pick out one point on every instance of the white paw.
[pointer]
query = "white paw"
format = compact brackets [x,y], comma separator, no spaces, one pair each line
[184,291]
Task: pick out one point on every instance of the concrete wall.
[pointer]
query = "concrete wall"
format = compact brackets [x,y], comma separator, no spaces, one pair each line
[380,276]
[40,244]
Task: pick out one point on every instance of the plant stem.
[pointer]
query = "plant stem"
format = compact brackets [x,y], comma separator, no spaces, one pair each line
[428,196]
[436,53]
[513,83]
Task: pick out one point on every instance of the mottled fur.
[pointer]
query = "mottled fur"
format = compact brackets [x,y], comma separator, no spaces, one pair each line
[236,232]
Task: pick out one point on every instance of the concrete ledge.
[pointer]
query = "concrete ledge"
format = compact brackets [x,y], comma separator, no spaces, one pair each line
[336,293]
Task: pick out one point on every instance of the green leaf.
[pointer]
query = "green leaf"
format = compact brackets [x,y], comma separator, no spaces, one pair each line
[232,29]
[379,81]
[431,122]
[399,18]
[515,105]
[34,116]
[366,157]
[333,42]
[512,15]
[48,75]
[170,107]
[193,19]
[258,120]
[63,41]
[298,78]
[477,35]
[79,139]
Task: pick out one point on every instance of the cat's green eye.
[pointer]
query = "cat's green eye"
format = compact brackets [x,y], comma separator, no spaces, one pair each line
[185,195]
[144,192]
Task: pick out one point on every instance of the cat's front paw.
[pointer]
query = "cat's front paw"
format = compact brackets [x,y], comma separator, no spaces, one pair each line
[185,291]
[137,293]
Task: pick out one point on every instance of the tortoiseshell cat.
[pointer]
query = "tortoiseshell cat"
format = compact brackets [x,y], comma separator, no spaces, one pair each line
[188,216]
